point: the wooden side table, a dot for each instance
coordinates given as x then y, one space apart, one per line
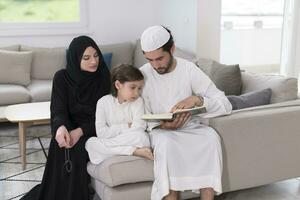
25 115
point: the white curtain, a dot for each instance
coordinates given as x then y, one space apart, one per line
290 35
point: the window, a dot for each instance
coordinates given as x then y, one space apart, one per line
251 34
31 16
252 14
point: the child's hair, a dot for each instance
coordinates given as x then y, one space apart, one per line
124 73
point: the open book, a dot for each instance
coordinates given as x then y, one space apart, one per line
171 116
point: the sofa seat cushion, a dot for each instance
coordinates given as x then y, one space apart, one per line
15 67
40 90
120 170
13 94
46 61
2 114
283 88
11 48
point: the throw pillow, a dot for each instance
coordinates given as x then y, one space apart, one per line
15 67
256 98
226 77
107 59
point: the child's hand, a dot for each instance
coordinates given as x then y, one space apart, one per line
129 124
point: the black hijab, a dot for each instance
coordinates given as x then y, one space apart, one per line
87 87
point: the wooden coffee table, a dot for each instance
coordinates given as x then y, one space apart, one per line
27 114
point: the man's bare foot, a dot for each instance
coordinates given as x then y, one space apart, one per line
144 153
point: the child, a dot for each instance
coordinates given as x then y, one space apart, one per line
119 127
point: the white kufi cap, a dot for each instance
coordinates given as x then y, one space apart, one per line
154 38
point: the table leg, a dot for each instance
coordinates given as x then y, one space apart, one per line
22 140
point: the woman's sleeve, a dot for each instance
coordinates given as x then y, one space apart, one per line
102 128
59 104
88 128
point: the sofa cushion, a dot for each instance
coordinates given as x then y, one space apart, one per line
122 52
121 170
107 59
46 61
226 77
11 48
283 88
251 99
13 94
15 67
40 90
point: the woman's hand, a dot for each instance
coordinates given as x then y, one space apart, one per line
75 136
62 137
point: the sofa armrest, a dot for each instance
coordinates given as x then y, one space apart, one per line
260 146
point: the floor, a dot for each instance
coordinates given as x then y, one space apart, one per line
14 182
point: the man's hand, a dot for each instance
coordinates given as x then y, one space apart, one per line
189 102
178 122
75 136
62 137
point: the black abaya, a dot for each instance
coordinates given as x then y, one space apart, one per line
73 104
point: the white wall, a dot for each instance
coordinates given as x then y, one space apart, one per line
109 22
209 19
297 54
181 18
116 21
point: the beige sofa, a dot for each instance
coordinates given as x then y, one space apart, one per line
27 72
260 144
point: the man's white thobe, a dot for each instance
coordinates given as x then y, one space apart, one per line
188 158
114 137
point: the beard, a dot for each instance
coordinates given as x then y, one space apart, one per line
164 70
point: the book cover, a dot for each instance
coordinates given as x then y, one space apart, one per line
171 116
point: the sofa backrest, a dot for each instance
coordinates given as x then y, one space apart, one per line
122 53
283 88
46 61
139 59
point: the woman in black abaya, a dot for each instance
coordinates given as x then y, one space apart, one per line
75 93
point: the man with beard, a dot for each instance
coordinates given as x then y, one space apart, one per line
187 153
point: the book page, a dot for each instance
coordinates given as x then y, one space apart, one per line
193 111
171 116
163 116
